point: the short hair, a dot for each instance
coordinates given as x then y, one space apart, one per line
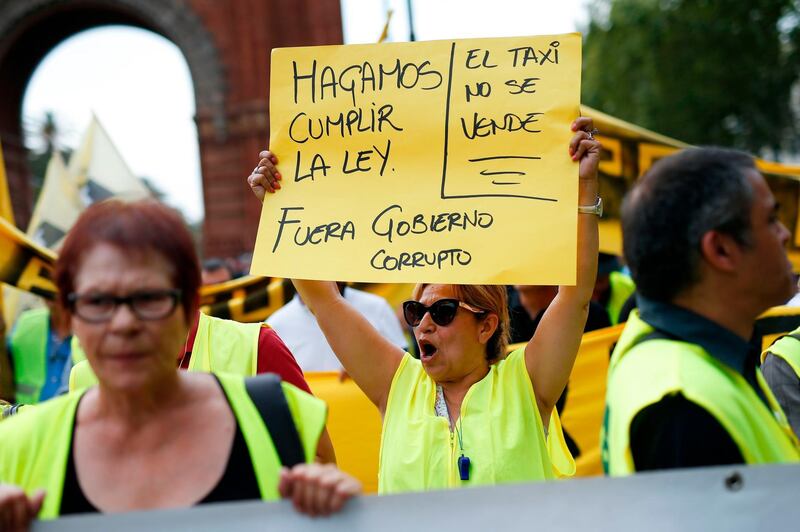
132 227
675 203
488 297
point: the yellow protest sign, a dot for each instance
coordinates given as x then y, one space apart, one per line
442 161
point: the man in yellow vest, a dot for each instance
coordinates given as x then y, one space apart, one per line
781 367
39 352
706 249
612 287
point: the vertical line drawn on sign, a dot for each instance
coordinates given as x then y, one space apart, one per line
447 117
485 172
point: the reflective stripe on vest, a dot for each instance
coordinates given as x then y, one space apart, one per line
501 432
787 348
641 374
225 346
36 445
29 353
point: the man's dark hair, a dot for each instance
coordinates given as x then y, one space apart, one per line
214 263
681 198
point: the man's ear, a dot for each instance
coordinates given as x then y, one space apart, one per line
487 327
720 251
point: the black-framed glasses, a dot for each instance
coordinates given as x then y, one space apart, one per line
146 305
443 312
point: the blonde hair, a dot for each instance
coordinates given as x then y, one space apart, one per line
489 297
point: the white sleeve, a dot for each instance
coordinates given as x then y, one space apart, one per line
389 326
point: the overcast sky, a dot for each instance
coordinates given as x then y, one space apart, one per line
139 86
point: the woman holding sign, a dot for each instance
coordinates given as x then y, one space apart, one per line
465 413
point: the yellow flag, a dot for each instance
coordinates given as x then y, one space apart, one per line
385 32
58 206
100 172
6 211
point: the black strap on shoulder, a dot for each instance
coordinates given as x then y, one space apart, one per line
266 392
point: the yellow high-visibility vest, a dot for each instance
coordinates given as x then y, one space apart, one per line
36 445
220 346
641 374
787 348
500 429
29 354
621 287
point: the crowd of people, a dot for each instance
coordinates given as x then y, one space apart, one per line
705 250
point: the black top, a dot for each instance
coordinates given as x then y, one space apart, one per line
676 432
523 326
238 482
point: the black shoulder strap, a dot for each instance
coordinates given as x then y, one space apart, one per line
267 394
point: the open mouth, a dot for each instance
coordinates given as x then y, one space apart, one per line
426 350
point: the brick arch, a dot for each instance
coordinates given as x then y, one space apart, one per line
226 45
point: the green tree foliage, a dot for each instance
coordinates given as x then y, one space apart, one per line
703 71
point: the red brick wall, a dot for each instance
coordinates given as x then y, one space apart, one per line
244 32
227 45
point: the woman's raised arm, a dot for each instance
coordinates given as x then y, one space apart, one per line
369 358
550 354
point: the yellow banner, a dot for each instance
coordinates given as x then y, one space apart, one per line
6 211
354 425
24 264
443 161
248 299
583 413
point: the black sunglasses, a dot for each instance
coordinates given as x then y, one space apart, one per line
443 312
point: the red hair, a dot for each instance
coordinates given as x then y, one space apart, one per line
132 227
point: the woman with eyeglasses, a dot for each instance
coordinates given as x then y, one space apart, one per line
149 436
466 414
